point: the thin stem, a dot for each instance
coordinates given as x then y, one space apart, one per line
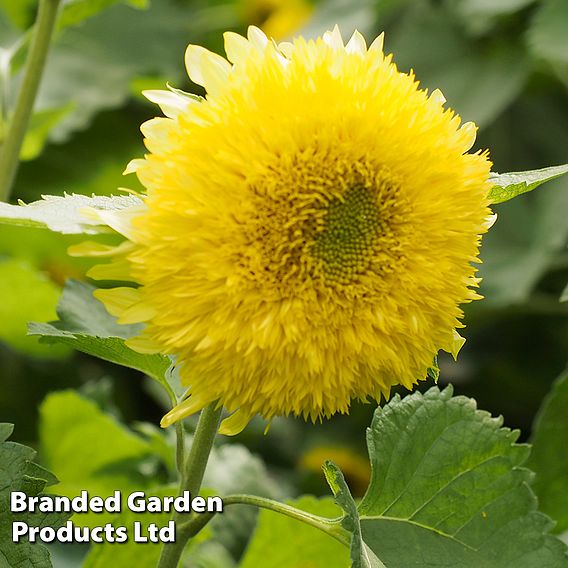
9 159
191 478
329 527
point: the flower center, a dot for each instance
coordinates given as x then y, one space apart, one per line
350 229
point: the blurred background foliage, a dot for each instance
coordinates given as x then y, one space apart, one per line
501 64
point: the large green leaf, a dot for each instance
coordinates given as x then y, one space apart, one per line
85 325
507 186
18 472
279 541
447 489
89 450
27 294
65 214
549 458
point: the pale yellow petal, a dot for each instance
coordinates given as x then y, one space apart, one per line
171 103
237 47
94 249
206 68
356 44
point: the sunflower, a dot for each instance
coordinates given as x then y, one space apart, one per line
308 232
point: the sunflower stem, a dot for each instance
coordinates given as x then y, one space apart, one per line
35 64
331 527
191 478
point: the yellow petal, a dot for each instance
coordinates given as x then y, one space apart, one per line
138 313
171 103
333 38
356 44
144 344
133 165
93 249
116 300
235 423
206 68
236 46
189 406
115 270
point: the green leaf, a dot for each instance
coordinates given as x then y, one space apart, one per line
65 214
134 553
507 186
279 541
89 450
447 489
41 124
85 325
18 472
549 458
27 295
547 36
360 554
75 12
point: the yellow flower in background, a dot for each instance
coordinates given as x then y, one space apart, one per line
308 231
279 19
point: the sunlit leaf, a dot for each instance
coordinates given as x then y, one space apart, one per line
509 185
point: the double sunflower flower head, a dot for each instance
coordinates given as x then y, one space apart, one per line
308 231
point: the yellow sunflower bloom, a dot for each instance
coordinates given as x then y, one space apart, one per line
308 231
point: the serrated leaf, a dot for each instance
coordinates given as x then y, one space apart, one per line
548 457
18 472
27 295
89 450
85 325
360 554
547 35
447 489
279 541
65 214
507 186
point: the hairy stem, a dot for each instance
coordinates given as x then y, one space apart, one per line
191 478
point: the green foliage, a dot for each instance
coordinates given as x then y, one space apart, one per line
132 553
500 69
41 124
65 214
89 450
18 472
280 541
548 457
85 325
449 494
75 12
360 554
507 186
27 295
547 35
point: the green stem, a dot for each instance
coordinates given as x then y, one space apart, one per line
328 526
9 159
191 478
